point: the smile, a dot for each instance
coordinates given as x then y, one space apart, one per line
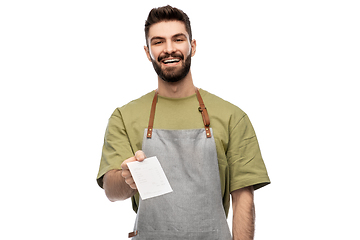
169 61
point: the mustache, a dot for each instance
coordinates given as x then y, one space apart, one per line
167 55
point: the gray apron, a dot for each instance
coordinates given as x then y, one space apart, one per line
194 209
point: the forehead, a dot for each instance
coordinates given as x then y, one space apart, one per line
167 29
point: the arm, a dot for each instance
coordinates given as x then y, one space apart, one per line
119 184
243 213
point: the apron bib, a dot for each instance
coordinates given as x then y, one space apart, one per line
194 209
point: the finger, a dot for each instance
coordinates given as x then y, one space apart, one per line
129 180
124 164
126 173
133 186
140 156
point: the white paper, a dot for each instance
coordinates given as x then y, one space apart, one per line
149 178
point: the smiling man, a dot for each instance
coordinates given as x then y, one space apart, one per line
206 146
170 65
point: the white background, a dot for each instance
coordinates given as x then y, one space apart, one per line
292 66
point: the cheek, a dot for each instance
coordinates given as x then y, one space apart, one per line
186 49
151 54
154 52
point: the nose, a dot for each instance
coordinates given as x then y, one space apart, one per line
169 48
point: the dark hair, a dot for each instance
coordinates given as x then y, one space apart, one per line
167 13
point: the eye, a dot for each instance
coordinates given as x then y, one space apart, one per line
157 42
179 40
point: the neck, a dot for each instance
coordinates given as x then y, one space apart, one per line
180 89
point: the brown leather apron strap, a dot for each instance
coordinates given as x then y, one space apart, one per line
133 234
202 109
204 113
152 115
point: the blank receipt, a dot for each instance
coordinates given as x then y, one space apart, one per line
149 178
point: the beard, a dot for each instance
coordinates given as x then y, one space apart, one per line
172 74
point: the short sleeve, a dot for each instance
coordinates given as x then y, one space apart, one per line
246 165
116 148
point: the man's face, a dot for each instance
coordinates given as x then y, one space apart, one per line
170 50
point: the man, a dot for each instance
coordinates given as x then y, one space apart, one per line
206 146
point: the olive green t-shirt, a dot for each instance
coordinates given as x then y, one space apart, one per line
240 161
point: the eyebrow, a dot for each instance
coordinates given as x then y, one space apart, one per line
161 38
179 35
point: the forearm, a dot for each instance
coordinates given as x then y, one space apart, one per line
243 215
116 189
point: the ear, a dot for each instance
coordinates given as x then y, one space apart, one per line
193 47
147 53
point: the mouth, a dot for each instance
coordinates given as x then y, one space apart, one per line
171 61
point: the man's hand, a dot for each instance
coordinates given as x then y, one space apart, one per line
119 184
139 156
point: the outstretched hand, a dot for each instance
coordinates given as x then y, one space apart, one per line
139 156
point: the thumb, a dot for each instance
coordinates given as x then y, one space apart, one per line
140 156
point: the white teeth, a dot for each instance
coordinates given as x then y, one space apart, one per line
171 60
